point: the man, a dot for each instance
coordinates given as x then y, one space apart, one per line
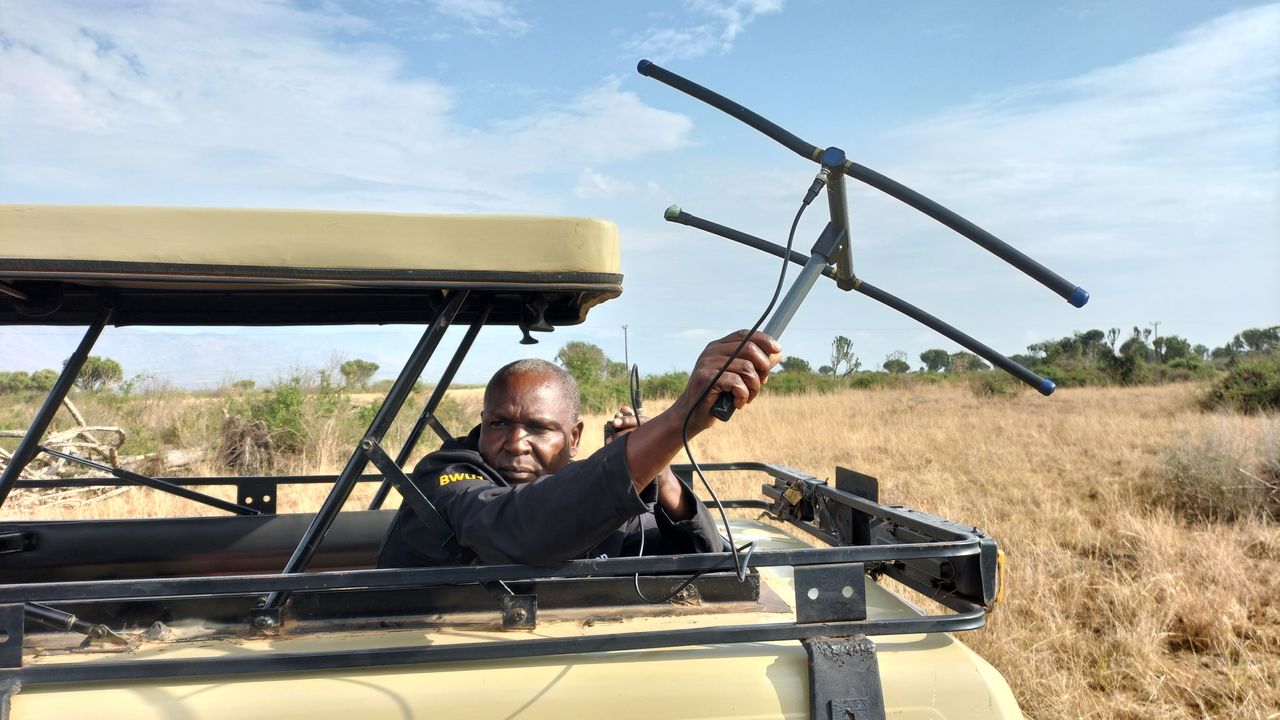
509 493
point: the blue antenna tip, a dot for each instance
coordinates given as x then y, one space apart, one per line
1079 297
1046 387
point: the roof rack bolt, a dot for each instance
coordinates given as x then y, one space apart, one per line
533 317
538 308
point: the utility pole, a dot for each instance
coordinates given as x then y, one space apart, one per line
626 351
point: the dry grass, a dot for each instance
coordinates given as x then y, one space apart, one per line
1117 605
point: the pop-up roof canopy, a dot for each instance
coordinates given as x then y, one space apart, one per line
205 266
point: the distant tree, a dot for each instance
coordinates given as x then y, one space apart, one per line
585 362
99 374
1136 346
1224 354
614 369
842 355
1112 336
966 362
895 363
794 364
16 381
666 385
1024 360
1092 344
43 380
1258 340
1171 347
935 360
357 373
826 370
1201 352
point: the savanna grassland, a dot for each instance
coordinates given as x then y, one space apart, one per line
1140 584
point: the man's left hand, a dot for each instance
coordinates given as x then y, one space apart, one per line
623 422
670 493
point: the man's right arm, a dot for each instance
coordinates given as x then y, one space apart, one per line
554 518
652 446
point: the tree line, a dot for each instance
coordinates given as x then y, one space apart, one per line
102 373
1091 357
1083 358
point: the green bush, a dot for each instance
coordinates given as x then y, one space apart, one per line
872 379
928 378
788 383
1128 369
1251 386
291 407
15 382
1072 375
667 385
363 416
450 414
600 395
997 385
280 408
1186 369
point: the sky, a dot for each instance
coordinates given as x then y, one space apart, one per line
1133 147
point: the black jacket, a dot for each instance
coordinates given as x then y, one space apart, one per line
588 509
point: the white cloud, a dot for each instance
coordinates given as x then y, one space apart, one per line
486 17
266 104
716 25
1164 155
696 334
592 184
603 125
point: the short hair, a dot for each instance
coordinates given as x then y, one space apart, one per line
544 368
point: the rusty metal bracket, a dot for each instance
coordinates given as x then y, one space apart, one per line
519 612
8 688
266 621
12 617
844 679
258 493
830 593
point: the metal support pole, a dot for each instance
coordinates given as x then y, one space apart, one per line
28 446
429 410
156 483
377 429
827 244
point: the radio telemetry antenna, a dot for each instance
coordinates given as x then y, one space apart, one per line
832 254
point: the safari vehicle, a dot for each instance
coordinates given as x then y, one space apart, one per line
279 615
263 614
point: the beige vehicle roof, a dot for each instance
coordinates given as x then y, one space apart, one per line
290 260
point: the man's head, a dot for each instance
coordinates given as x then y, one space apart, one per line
529 426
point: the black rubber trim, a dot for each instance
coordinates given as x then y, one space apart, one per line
135 272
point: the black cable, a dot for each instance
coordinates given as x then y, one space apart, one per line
749 547
738 566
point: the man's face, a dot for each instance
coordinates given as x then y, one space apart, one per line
526 429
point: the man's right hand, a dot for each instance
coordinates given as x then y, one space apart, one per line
743 378
651 446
